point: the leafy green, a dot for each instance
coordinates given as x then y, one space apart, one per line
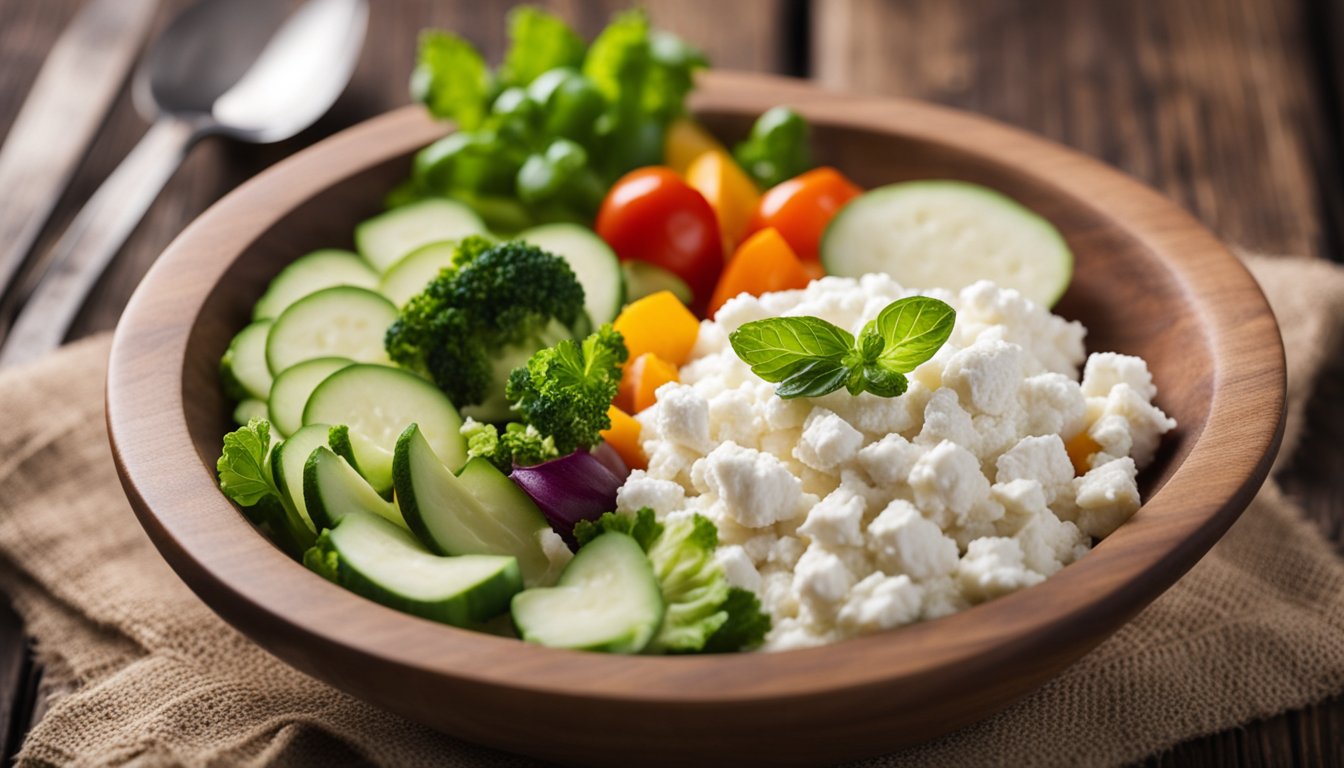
451 79
645 77
496 299
244 467
245 476
544 137
809 357
566 390
746 627
703 612
539 42
777 148
519 444
642 526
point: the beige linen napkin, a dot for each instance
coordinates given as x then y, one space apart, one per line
153 677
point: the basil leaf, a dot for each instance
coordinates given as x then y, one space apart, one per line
883 382
779 347
820 377
914 329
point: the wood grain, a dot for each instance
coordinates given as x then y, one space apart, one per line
1149 281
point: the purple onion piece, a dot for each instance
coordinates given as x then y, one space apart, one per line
569 489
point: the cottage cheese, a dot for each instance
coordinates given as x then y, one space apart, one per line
849 515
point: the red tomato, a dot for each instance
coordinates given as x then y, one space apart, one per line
801 207
653 215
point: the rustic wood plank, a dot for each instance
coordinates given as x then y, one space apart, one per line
1213 103
1228 106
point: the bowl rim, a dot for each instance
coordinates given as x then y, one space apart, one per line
218 553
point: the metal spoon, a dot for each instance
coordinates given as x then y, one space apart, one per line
221 67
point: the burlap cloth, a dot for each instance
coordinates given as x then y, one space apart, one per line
153 677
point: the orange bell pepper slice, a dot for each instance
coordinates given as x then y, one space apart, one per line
764 263
623 437
730 192
661 324
640 381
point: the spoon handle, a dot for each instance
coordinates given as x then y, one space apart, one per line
82 254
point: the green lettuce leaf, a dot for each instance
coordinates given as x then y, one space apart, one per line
451 79
539 42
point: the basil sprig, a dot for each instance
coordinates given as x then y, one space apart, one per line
809 357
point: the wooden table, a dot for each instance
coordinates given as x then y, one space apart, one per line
1231 107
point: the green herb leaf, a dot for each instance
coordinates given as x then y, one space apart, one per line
451 79
914 329
539 42
244 466
820 377
809 357
777 348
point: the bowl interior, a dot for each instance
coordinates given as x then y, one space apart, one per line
1128 298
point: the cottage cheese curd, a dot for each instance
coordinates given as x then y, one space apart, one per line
849 515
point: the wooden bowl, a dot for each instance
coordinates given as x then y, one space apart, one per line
1150 281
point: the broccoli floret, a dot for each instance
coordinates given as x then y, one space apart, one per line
565 390
491 300
519 444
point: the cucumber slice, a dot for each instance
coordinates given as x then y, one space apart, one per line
310 274
249 409
644 279
593 262
384 239
379 402
375 559
287 463
371 462
607 600
291 389
413 272
332 490
244 367
334 322
948 234
480 512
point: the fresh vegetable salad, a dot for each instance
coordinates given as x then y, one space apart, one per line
598 381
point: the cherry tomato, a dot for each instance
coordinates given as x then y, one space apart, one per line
801 207
653 215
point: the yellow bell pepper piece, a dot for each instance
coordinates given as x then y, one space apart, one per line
684 141
730 192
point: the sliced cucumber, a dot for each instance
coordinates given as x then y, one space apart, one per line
413 272
334 322
243 366
644 279
371 462
310 274
384 239
948 234
287 462
249 409
380 402
607 600
291 389
479 513
593 262
332 489
378 560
